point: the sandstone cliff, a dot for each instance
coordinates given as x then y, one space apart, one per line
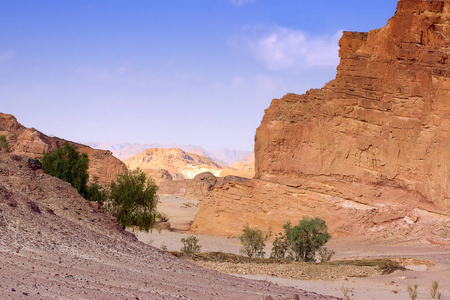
30 142
374 141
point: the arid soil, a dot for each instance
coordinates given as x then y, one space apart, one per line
56 245
424 263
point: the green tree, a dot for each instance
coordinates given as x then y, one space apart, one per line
68 164
253 242
134 200
94 192
306 238
302 241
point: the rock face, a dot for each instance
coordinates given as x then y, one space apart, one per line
384 120
103 167
382 127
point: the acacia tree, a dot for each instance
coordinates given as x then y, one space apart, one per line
307 237
68 164
134 200
253 242
302 241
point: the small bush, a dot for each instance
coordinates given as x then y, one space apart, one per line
253 242
434 293
190 245
325 254
412 291
4 146
279 247
95 192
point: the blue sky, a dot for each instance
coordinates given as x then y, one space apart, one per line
197 72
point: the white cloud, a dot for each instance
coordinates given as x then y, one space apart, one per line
284 49
242 2
5 56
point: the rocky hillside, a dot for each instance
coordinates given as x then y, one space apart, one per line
30 142
369 149
54 244
180 164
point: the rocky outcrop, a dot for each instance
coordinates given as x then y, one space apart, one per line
103 167
377 136
200 186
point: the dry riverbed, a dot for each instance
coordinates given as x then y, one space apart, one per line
424 263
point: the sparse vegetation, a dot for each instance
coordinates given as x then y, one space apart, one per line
434 290
412 291
133 199
345 291
190 245
302 241
4 146
253 242
68 164
325 254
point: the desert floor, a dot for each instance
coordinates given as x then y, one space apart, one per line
424 263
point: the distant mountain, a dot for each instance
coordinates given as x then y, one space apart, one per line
180 164
223 157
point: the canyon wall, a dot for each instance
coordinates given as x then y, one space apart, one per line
103 166
374 141
384 120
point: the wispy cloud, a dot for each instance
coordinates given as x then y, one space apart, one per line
242 2
8 55
285 49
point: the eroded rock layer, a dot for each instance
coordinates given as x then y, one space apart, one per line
381 127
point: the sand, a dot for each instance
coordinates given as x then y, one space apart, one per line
425 263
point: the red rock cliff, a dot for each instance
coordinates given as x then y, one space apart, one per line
384 120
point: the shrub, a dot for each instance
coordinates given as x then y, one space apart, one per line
133 198
325 254
302 241
253 242
280 247
68 164
412 291
434 290
190 245
4 146
94 192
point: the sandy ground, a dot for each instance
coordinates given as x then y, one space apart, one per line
425 264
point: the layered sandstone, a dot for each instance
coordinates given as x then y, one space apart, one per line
377 136
103 167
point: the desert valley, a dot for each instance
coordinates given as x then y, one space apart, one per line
369 153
